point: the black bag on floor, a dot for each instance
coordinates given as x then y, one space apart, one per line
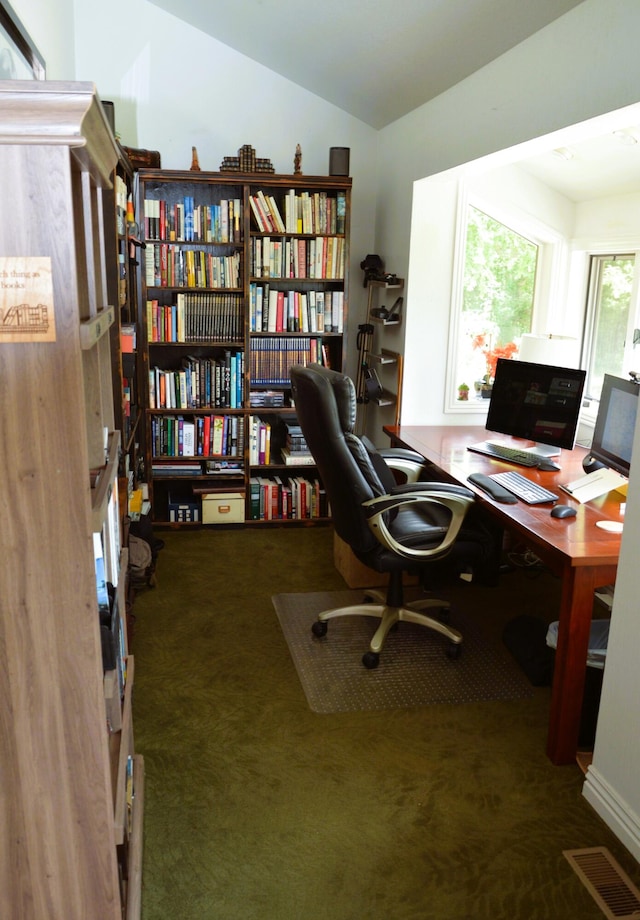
526 638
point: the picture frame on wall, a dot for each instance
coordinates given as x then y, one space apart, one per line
19 57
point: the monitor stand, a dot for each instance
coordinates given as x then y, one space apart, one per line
543 450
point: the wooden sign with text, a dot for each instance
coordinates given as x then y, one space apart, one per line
26 300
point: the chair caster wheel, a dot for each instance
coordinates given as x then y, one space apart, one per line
454 650
371 660
319 629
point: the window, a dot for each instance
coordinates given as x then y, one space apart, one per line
610 319
498 294
19 57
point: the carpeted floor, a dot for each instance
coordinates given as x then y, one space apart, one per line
414 669
257 808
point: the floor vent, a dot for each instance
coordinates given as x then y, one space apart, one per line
609 886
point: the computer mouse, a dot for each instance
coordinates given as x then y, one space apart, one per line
563 511
548 466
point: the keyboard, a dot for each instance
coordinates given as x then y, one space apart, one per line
523 488
503 452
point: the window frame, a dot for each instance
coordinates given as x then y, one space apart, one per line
549 282
579 277
15 40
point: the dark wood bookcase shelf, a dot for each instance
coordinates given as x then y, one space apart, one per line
280 297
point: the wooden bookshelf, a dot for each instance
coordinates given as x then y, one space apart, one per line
121 232
247 272
64 853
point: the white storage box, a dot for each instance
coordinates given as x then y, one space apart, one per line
223 508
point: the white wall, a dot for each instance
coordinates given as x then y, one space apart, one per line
612 779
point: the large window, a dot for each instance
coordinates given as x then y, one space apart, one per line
609 331
498 295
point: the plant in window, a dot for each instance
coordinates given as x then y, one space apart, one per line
491 353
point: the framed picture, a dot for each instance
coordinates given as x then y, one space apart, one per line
19 57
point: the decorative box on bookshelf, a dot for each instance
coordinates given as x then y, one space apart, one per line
244 275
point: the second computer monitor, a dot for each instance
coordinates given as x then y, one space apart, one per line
615 425
538 402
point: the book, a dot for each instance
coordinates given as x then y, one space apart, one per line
188 439
296 458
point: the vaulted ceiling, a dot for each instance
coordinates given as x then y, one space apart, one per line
375 59
380 59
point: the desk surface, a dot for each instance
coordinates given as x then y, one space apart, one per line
584 556
576 540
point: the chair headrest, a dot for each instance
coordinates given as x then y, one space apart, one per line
343 390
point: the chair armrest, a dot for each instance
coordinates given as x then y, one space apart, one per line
449 487
408 462
421 493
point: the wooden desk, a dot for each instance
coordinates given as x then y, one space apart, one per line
584 556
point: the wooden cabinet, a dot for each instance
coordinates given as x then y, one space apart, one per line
244 275
71 787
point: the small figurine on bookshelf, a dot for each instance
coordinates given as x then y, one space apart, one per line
297 161
195 163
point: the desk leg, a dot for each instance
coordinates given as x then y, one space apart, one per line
576 605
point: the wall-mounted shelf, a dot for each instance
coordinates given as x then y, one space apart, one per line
375 357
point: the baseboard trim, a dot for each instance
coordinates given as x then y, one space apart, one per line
613 810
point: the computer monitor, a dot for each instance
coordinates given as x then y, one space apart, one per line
615 424
538 402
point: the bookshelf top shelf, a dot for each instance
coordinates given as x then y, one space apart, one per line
257 180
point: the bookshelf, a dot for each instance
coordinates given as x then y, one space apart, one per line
243 275
71 799
122 230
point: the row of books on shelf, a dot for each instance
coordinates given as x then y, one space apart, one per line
168 265
259 441
318 257
112 637
271 359
196 469
211 317
267 399
274 310
184 221
286 498
293 450
200 383
202 436
306 212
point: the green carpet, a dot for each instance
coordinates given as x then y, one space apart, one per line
259 809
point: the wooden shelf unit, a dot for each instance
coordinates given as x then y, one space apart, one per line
378 358
61 855
122 289
257 352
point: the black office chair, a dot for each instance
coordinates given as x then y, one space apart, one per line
390 527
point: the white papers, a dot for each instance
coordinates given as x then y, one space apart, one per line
592 485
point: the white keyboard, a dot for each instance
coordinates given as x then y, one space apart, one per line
524 489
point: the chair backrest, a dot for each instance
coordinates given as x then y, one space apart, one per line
325 403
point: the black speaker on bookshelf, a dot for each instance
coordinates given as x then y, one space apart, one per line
339 161
110 112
